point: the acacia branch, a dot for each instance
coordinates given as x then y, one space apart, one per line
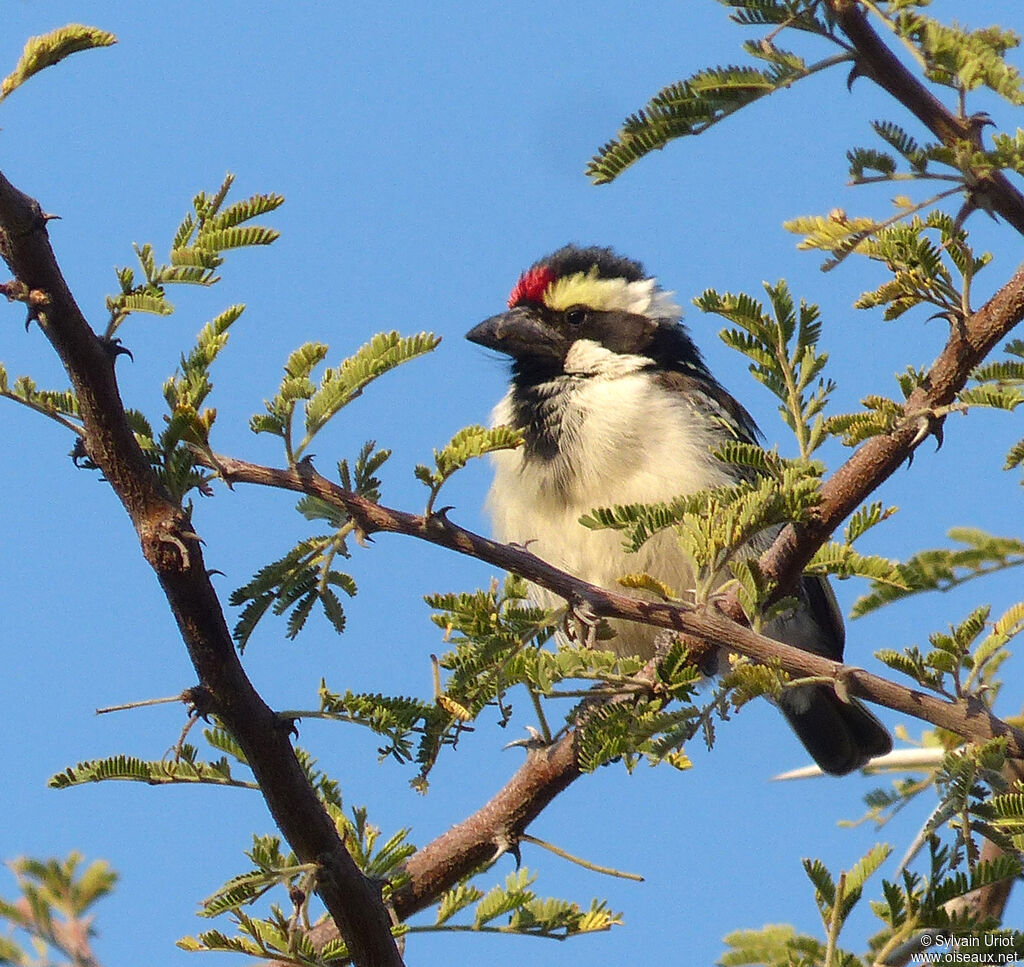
705 624
498 825
173 550
991 190
460 851
877 459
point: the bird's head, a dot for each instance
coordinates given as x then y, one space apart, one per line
588 311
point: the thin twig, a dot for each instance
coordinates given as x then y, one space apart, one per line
586 864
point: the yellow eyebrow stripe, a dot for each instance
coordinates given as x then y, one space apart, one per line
588 289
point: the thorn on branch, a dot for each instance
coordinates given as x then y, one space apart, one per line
168 533
928 424
35 299
978 121
534 740
442 514
80 452
200 701
113 348
581 623
288 724
211 460
179 746
954 318
363 539
841 684
505 843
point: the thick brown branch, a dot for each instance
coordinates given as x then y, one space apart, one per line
491 830
497 825
973 722
443 862
175 554
878 458
875 60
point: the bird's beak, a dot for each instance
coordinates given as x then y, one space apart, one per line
519 332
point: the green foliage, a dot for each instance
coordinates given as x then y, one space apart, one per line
295 583
774 944
924 272
1001 386
276 937
1007 152
468 443
493 635
840 559
747 680
172 453
497 636
509 908
184 767
398 719
58 405
962 663
962 163
54 910
962 59
337 387
273 868
844 561
805 15
783 351
945 568
632 731
837 898
196 252
912 906
306 576
691 106
918 903
719 527
917 156
881 415
48 49
526 913
920 273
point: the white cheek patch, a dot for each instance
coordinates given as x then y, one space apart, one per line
588 358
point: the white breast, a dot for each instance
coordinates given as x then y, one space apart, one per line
624 440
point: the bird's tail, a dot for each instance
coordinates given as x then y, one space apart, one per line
840 736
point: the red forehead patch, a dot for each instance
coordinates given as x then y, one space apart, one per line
531 286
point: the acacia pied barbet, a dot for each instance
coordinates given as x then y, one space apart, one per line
616 406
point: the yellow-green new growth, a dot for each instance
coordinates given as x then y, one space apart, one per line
47 49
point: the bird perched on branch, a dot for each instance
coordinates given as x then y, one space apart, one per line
616 406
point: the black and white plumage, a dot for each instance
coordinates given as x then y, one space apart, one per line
617 407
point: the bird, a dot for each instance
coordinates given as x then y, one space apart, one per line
616 405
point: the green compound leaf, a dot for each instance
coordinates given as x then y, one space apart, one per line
47 49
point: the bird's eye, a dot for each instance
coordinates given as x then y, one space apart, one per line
576 316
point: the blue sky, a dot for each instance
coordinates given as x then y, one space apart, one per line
427 153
